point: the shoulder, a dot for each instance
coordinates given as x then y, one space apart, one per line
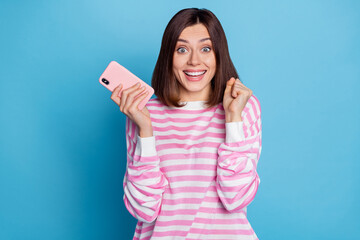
154 103
153 100
155 106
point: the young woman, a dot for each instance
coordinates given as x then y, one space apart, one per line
192 152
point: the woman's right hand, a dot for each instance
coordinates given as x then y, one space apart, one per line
129 107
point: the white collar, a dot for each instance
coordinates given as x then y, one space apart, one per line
192 105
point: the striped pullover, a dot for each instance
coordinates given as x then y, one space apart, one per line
195 177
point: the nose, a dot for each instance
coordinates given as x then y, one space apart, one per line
194 58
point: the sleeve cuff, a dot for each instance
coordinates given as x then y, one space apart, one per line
234 132
145 147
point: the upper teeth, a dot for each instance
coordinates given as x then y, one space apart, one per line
194 73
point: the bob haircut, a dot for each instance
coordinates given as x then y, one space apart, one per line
163 79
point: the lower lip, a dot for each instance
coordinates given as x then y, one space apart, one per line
195 78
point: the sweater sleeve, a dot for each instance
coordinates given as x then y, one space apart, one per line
237 179
143 183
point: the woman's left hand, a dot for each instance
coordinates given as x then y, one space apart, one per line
235 98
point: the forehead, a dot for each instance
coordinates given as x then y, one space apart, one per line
197 31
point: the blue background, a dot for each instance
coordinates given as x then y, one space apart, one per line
62 140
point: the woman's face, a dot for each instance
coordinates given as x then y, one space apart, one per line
194 63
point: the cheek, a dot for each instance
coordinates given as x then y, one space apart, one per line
178 62
176 70
211 62
176 67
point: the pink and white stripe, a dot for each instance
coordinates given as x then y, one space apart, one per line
196 176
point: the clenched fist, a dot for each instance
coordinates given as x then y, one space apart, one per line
235 98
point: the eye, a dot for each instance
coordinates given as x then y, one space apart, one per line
206 49
181 50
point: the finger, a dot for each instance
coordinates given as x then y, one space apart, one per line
115 94
229 85
231 81
140 98
132 88
235 91
244 91
238 82
122 101
131 97
125 95
136 94
238 89
120 85
136 85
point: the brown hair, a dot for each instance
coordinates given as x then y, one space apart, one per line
163 80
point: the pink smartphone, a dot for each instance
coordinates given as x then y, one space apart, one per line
115 74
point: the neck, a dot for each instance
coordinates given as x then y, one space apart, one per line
194 97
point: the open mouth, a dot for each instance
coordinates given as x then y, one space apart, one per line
195 74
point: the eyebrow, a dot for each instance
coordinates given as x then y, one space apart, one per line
201 40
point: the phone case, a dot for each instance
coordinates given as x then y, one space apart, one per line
115 74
